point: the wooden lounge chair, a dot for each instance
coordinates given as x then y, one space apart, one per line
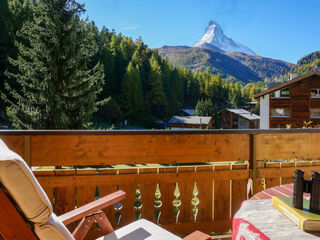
26 212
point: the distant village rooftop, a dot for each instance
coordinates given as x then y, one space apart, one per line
189 112
286 84
197 120
244 113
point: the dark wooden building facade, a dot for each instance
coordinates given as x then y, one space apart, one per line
294 104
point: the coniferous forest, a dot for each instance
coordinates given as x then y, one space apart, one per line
60 71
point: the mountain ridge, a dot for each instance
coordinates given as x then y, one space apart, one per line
221 54
232 65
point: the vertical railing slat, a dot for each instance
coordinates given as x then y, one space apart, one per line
186 189
148 196
106 189
286 180
222 196
205 196
128 211
239 190
85 193
64 197
167 190
48 190
275 180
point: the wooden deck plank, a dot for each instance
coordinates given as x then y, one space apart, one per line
122 149
64 181
293 146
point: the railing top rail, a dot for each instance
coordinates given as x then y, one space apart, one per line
156 132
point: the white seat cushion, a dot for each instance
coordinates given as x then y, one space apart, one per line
19 181
140 230
52 230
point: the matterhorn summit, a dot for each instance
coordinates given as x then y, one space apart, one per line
214 38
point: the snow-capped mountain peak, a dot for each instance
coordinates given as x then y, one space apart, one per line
214 37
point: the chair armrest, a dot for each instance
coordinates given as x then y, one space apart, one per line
197 235
92 207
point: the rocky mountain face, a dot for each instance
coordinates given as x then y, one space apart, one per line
220 54
214 38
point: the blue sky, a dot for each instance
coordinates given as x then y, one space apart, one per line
280 29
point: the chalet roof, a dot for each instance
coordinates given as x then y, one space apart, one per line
286 84
244 113
190 119
189 111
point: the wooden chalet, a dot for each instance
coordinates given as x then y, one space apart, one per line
292 103
235 118
250 106
190 122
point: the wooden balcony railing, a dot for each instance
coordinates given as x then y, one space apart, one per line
179 179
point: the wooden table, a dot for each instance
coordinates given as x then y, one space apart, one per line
257 219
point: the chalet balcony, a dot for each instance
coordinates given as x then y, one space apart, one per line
182 180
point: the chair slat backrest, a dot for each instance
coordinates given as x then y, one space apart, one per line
12 224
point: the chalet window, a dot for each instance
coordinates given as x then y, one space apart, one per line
280 112
242 123
315 93
285 92
235 120
315 112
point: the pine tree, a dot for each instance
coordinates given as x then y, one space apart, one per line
118 47
235 97
21 11
204 108
109 69
166 69
131 93
5 43
176 90
58 90
13 14
191 88
155 98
